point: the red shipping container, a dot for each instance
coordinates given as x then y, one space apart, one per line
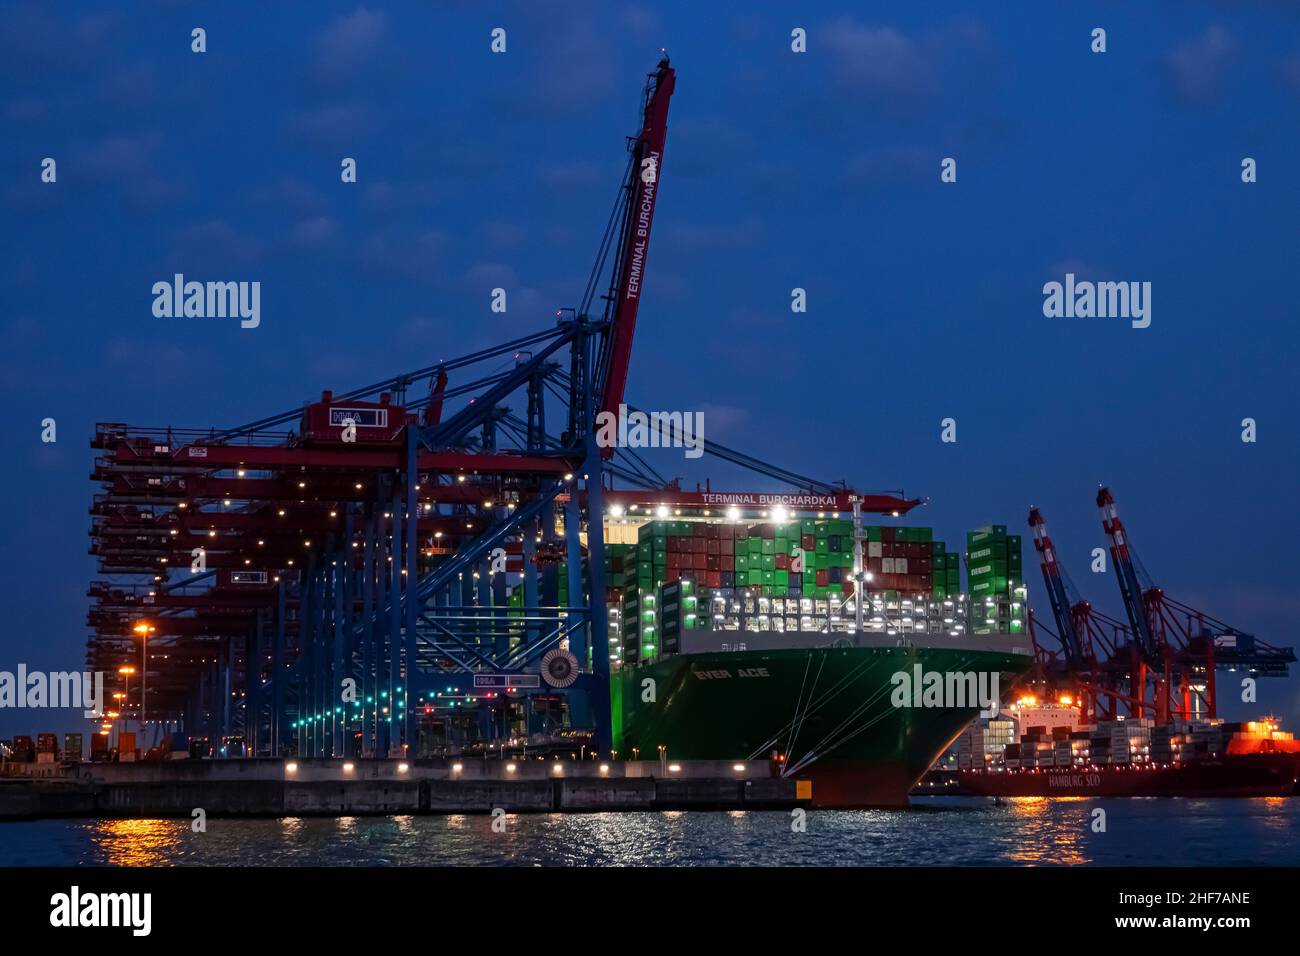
712 546
824 578
726 532
726 562
674 561
887 534
699 530
699 545
742 532
712 579
809 542
711 562
711 531
783 562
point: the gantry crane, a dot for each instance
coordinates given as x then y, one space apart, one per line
358 544
1162 662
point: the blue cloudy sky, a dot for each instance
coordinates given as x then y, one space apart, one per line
818 170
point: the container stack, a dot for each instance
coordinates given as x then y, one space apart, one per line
996 581
679 610
1121 742
983 744
639 619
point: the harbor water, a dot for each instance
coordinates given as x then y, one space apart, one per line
936 831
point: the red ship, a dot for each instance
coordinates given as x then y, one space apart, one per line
1230 775
1126 708
1047 749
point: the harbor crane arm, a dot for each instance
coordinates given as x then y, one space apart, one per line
1056 591
1130 588
634 245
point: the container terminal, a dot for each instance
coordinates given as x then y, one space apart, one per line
446 580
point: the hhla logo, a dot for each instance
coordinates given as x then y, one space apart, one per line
947 690
636 429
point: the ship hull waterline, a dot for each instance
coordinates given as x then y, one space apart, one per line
826 715
1233 775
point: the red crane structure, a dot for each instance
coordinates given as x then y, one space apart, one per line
1161 663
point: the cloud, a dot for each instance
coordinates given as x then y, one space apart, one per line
404 253
490 275
878 61
727 235
1082 271
347 44
206 249
339 125
1289 73
894 164
314 232
722 420
384 196
504 234
123 162
166 364
1196 70
293 194
574 177
898 72
642 21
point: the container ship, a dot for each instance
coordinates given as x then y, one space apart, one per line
1039 749
738 642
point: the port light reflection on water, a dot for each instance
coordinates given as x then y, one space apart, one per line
937 831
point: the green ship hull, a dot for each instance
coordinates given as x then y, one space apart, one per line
829 715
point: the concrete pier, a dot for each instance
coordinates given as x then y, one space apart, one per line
335 787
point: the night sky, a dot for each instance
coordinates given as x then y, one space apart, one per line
782 170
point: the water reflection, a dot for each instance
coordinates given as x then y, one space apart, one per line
1051 831
939 831
137 842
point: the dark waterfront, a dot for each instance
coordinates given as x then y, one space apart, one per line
938 831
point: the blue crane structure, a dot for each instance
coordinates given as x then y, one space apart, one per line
339 588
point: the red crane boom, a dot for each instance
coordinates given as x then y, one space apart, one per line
647 167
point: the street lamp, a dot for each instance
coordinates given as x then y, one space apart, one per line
126 671
144 629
